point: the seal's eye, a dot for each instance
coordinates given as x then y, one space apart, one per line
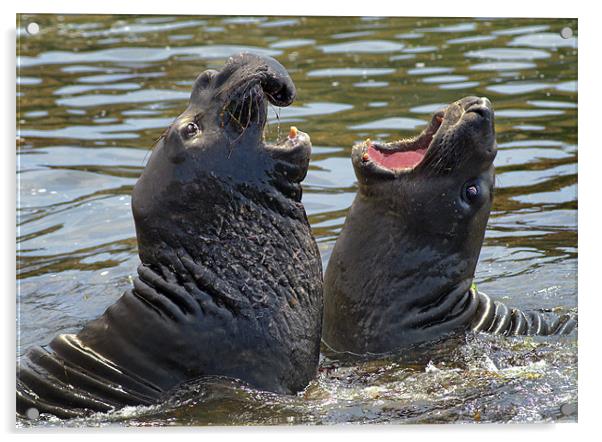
471 192
191 130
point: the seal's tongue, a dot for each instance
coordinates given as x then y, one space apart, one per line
397 160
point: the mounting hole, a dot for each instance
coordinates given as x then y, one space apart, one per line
33 28
32 413
568 409
566 32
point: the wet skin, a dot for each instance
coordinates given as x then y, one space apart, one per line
401 271
230 280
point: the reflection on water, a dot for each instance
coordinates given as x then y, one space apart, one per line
95 91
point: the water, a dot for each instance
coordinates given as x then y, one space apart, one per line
94 92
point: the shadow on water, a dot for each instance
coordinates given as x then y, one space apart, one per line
95 91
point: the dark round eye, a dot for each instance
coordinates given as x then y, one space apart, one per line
191 130
471 192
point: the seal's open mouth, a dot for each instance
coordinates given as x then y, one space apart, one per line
246 113
249 107
403 155
458 134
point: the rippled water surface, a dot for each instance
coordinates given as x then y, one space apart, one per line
94 92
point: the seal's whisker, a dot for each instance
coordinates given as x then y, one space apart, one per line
277 113
163 135
253 99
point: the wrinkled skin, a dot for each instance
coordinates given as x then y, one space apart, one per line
230 280
401 271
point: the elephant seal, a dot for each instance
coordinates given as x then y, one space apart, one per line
401 271
230 280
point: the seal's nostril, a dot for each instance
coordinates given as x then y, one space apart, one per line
478 109
474 102
280 93
479 105
485 101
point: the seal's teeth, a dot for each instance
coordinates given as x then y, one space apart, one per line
368 142
365 157
293 133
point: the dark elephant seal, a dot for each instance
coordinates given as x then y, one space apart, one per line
230 280
401 271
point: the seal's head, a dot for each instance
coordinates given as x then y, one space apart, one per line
216 147
404 262
441 181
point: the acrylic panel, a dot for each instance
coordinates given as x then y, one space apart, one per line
95 93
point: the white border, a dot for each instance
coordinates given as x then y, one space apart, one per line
590 146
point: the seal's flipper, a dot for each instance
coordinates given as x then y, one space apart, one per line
564 325
496 318
67 380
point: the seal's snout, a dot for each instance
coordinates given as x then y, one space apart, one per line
275 80
485 101
239 93
279 87
476 126
246 69
481 106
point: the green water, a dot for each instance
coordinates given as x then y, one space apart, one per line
94 92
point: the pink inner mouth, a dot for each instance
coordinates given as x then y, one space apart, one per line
397 160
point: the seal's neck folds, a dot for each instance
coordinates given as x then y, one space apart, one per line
393 288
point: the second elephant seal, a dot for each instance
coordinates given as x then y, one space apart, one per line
402 269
